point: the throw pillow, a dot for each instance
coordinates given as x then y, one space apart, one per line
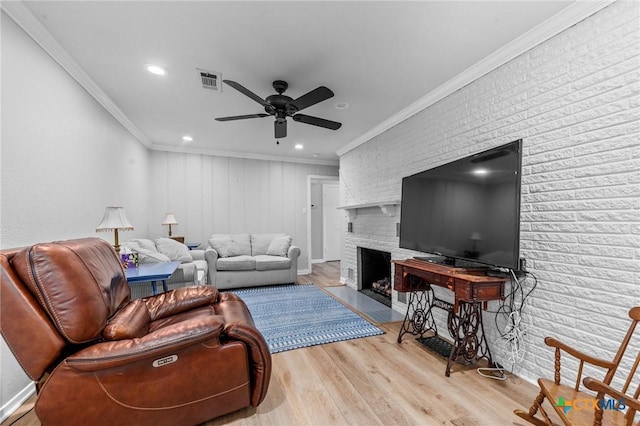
173 249
141 243
145 256
225 246
279 246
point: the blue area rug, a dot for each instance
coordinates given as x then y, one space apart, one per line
297 316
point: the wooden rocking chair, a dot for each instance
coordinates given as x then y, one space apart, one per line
605 405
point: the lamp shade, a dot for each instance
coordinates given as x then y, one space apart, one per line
114 218
169 219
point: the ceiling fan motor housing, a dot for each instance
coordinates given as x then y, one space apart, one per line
280 103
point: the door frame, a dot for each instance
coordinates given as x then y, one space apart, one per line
326 211
321 180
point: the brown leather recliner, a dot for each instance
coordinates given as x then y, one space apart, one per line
178 358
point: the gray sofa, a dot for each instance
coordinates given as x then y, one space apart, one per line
248 260
192 269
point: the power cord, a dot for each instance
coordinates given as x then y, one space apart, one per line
513 333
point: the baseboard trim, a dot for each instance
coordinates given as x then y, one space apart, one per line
14 403
317 260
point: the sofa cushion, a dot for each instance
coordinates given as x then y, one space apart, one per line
279 246
242 240
260 243
236 263
265 262
173 249
225 246
147 251
145 256
142 243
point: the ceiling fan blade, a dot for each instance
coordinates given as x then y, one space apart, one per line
321 122
241 117
311 98
280 127
240 88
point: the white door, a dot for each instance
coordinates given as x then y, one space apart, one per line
333 221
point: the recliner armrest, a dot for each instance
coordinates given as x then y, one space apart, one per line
129 322
158 343
180 300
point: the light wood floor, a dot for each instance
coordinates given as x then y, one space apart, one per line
371 381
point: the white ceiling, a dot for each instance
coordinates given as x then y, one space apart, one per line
380 57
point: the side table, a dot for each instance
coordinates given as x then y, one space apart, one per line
152 272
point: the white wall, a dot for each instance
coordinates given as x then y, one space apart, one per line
63 160
574 101
211 194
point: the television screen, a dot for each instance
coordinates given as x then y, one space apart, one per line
467 209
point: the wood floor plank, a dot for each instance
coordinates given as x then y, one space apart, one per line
353 405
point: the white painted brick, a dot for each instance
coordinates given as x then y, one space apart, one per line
574 100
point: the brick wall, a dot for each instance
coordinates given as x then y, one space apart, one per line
574 100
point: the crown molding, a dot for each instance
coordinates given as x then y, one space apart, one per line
559 22
250 156
17 11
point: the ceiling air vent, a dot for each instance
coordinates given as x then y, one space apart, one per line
210 80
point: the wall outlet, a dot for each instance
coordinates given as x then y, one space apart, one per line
523 264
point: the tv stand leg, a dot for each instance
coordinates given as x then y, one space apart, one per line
419 317
469 339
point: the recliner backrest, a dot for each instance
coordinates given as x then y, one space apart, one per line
79 283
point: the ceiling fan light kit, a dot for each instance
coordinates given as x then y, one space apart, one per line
282 106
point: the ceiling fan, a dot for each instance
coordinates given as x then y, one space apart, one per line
282 106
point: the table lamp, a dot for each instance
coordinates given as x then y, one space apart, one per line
169 219
114 220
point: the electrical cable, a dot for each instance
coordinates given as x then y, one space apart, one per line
512 336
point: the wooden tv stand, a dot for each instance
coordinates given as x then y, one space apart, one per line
472 290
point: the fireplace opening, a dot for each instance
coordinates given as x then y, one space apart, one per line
375 274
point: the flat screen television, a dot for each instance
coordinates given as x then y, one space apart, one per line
468 209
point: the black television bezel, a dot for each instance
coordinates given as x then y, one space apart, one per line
451 260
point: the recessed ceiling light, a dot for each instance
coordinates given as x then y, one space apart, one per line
156 69
341 105
298 146
187 138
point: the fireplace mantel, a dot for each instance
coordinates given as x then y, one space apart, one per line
388 208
